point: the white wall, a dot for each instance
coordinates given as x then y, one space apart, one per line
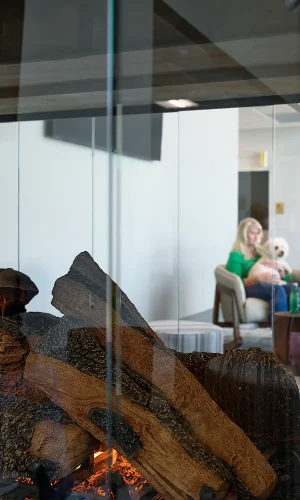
9 194
196 178
285 179
208 201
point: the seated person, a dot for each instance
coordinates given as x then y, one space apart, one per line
241 259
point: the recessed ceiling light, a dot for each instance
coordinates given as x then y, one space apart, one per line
177 103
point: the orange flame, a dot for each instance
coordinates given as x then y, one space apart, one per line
108 456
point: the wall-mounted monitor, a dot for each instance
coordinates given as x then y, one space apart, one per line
141 134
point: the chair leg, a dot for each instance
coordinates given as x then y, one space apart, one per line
236 322
237 339
216 306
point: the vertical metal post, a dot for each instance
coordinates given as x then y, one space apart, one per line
93 185
109 287
19 194
117 234
272 203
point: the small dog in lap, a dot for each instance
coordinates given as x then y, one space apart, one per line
276 250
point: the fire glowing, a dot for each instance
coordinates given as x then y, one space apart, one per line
110 456
97 483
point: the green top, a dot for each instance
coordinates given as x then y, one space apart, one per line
237 264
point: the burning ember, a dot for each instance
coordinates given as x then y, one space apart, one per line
107 474
123 482
122 472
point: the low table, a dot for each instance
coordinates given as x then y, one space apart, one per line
285 322
189 336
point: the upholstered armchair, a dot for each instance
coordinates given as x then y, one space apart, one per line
236 308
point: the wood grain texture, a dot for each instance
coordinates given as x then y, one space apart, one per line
18 334
32 86
28 434
201 92
253 388
13 384
18 417
68 445
145 354
13 352
162 460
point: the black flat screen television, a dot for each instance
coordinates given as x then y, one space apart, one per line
141 134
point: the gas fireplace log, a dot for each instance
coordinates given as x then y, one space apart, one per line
28 326
151 434
14 384
67 445
18 334
16 291
13 352
34 433
238 380
163 450
196 362
82 294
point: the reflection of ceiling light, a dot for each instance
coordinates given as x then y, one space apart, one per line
177 103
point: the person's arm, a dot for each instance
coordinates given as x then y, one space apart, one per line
285 276
235 266
251 281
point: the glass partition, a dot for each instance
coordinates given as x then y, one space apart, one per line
145 196
9 194
257 172
285 210
149 343
55 201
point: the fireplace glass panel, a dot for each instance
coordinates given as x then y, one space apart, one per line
135 137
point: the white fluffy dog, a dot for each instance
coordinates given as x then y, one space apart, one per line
276 250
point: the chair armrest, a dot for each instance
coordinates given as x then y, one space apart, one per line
229 283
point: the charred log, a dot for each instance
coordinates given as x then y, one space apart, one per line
254 389
76 380
163 394
34 433
18 334
16 291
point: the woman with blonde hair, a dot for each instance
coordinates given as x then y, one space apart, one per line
244 255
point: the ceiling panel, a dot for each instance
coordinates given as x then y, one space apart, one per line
56 59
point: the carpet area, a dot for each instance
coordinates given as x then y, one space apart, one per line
255 337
